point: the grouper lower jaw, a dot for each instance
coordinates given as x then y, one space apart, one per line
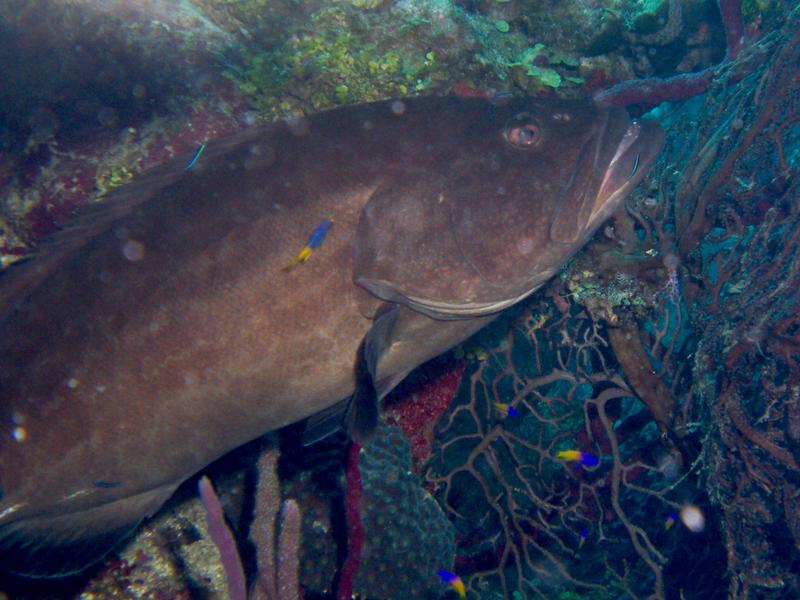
468 310
161 329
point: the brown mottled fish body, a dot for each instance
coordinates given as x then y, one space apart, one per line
160 330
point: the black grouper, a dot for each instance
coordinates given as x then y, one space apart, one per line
160 329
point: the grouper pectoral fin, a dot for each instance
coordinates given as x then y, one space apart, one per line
397 334
359 413
62 544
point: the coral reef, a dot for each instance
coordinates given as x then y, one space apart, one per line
407 537
332 66
678 370
354 507
173 556
223 539
276 535
344 54
652 91
738 221
420 401
54 179
369 527
527 522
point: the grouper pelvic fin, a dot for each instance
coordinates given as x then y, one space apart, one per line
64 544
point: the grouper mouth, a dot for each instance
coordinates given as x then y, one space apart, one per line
604 173
635 154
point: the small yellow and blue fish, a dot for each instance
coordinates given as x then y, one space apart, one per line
506 408
454 581
582 537
314 241
670 520
196 157
584 458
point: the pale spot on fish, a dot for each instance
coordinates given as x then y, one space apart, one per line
20 434
525 246
298 125
72 383
261 156
133 250
398 107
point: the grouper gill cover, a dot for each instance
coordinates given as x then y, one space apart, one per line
161 329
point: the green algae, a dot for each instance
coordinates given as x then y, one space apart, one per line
534 68
335 61
112 176
752 9
366 4
365 51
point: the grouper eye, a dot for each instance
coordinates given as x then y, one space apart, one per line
524 135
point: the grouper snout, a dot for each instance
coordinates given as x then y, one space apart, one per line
161 328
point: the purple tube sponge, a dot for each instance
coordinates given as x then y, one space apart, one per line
223 538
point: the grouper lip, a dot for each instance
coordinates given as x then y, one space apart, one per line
445 311
439 309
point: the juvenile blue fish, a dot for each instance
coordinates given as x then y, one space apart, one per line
584 458
454 581
196 157
314 241
506 408
582 537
